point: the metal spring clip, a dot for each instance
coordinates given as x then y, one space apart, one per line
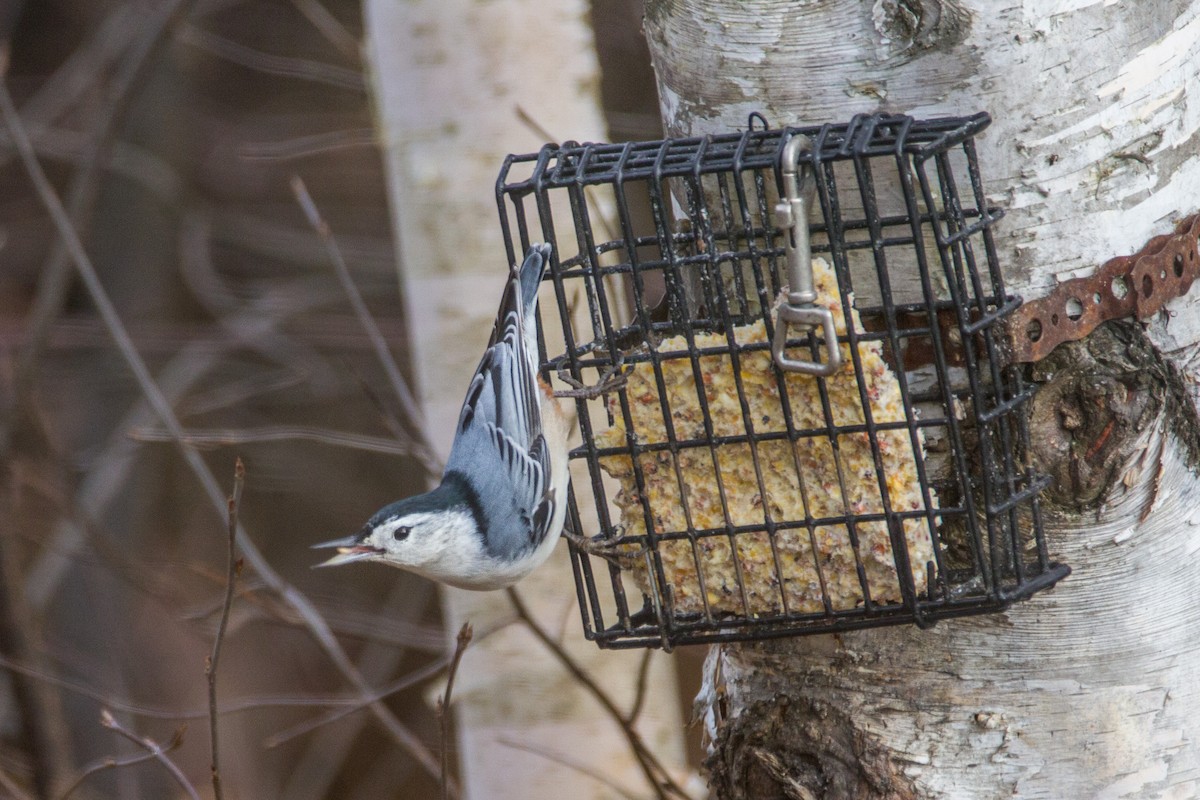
791 215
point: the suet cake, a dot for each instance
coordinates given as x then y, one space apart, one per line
774 480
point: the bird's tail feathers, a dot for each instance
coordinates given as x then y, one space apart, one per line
537 257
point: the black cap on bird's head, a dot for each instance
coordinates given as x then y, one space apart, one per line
384 537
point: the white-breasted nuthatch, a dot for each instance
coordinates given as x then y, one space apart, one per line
499 509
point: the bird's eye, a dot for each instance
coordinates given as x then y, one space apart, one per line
401 533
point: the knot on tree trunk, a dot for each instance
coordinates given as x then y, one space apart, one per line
801 748
1098 397
908 27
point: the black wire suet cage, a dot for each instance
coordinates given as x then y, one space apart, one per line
819 429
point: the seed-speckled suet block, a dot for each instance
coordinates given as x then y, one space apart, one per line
790 482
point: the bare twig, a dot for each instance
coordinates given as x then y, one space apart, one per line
140 165
443 703
113 466
271 64
345 704
382 353
391 422
411 679
81 72
46 735
316 625
13 789
314 770
222 437
528 121
54 276
639 696
329 27
392 632
235 501
571 764
112 762
152 747
656 775
37 734
309 145
240 391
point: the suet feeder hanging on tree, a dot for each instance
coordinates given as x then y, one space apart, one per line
820 430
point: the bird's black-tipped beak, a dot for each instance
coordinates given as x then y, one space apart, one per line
350 549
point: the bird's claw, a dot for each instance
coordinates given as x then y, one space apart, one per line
613 379
608 547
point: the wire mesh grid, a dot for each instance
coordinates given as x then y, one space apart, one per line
741 502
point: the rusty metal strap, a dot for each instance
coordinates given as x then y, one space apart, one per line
1137 285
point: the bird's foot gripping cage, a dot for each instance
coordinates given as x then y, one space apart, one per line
740 496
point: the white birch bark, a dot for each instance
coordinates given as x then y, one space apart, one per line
448 78
1091 690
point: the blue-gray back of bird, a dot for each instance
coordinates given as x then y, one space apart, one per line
501 503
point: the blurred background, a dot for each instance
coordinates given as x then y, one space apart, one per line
171 130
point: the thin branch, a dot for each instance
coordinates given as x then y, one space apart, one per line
366 627
13 789
656 775
223 437
413 678
239 392
347 704
45 733
42 738
81 72
309 145
271 64
125 159
391 422
314 769
329 27
382 353
443 703
112 762
569 763
358 704
130 77
235 501
152 747
114 464
639 696
288 593
529 122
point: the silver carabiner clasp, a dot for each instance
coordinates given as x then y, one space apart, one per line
791 215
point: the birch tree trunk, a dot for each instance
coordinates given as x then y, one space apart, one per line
1091 690
450 78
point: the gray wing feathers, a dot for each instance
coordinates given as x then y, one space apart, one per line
499 442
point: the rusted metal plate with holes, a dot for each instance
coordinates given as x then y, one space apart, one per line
1137 285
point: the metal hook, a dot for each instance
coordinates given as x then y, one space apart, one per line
757 116
791 214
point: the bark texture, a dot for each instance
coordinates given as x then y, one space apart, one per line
1093 138
1091 689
